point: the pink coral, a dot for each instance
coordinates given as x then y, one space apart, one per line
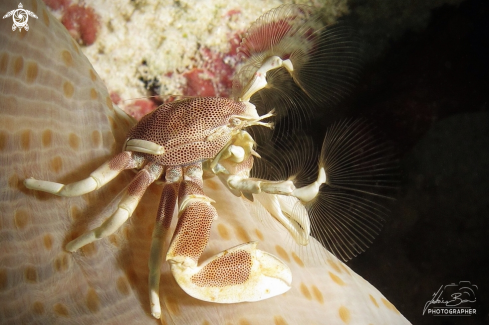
82 22
215 77
140 108
198 84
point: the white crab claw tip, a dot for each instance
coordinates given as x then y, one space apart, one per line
156 315
274 268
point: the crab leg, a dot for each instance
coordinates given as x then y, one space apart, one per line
163 222
126 207
98 178
242 273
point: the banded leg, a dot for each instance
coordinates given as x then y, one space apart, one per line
162 225
98 178
242 273
126 207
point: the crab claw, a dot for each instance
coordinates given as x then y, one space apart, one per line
242 273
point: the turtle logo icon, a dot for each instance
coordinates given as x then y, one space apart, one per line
20 16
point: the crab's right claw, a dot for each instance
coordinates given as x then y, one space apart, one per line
239 274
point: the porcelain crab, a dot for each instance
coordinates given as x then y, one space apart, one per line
183 141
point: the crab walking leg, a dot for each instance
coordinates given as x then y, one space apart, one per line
98 178
163 222
242 273
126 207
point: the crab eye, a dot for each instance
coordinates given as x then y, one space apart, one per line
233 121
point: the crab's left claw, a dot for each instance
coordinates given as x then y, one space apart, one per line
239 274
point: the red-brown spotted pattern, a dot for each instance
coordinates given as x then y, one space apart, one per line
167 205
125 160
231 269
183 128
193 229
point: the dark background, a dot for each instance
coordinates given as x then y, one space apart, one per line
429 93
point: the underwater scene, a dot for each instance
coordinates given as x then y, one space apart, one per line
244 162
